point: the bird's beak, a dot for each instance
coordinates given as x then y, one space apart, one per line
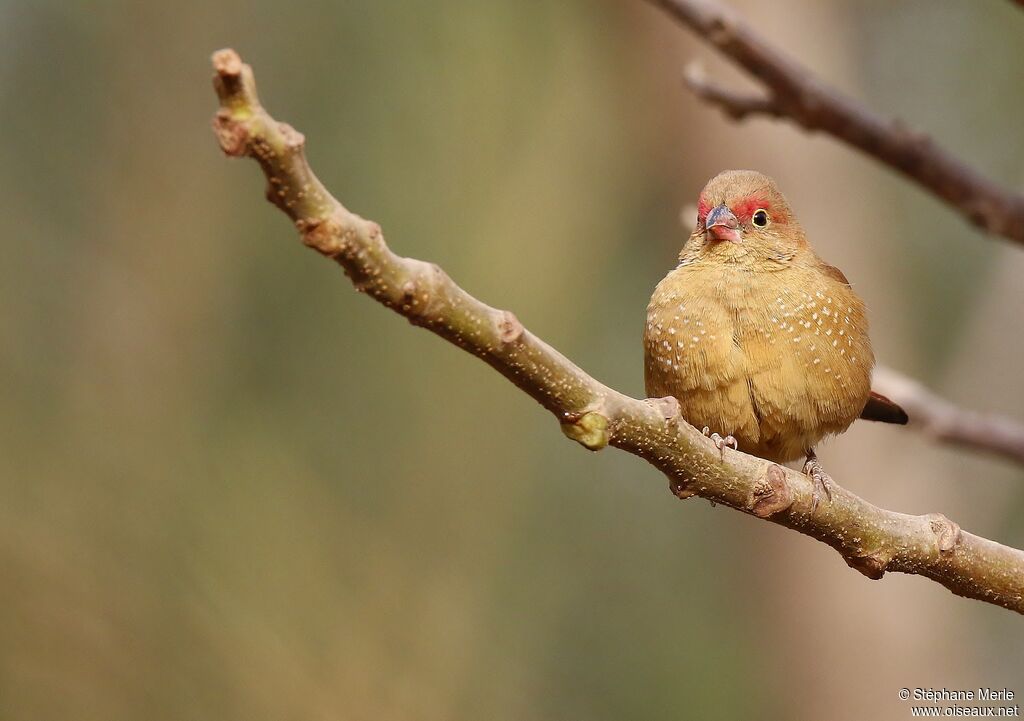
721 224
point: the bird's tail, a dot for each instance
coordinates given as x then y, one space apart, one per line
880 408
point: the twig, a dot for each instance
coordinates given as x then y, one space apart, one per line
943 421
794 93
870 539
734 104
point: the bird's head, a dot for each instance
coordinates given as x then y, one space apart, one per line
743 217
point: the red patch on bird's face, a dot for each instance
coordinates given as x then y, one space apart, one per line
703 208
745 207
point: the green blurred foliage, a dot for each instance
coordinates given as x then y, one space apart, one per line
232 488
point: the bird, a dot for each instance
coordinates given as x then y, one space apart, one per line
756 337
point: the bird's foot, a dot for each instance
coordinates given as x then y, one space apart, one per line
821 481
720 442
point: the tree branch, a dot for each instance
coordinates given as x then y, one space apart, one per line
870 539
794 93
943 421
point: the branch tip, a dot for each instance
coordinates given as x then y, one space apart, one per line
227 63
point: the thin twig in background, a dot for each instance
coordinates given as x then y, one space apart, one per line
943 421
870 539
793 92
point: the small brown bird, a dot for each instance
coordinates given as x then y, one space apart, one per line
757 337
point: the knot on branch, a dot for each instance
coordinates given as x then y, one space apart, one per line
232 134
420 291
871 565
680 489
293 139
914 139
771 494
509 328
721 28
327 236
590 430
668 407
947 533
986 214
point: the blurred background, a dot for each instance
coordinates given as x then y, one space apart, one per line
232 488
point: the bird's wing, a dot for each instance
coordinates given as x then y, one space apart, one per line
880 408
833 272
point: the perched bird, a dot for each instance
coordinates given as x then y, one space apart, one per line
758 338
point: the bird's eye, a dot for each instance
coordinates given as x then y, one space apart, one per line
760 218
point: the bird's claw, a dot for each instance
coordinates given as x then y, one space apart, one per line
720 442
821 482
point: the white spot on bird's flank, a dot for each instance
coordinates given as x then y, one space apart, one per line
672 331
828 332
817 361
695 339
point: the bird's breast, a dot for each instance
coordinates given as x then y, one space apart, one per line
781 358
